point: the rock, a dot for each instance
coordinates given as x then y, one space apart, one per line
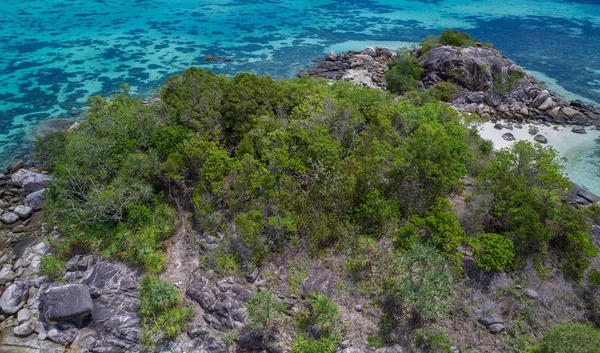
541 139
6 274
77 263
36 182
496 328
578 130
533 130
370 51
331 56
508 127
66 303
249 340
9 218
508 136
518 126
18 177
532 294
498 126
14 297
35 199
9 343
15 167
546 105
23 330
582 193
23 315
321 282
454 349
358 308
63 336
23 212
251 278
490 320
540 98
570 112
198 331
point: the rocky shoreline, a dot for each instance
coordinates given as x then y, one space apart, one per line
476 71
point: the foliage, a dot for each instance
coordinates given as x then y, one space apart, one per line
49 147
449 37
436 341
52 266
444 91
321 317
229 337
594 277
425 283
161 310
440 229
404 72
493 252
263 309
528 191
570 338
506 82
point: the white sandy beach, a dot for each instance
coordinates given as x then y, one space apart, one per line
582 151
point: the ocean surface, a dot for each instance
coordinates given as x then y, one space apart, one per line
56 53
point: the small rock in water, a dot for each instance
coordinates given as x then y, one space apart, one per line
508 127
541 139
508 136
518 126
579 130
498 126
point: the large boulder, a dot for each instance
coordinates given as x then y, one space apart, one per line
23 211
35 199
320 282
66 303
14 297
474 68
19 176
36 182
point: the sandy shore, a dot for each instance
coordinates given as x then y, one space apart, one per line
581 151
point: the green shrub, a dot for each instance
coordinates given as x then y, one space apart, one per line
49 147
404 72
456 39
436 341
493 252
425 283
594 277
444 91
263 310
162 311
570 338
323 315
504 83
430 42
52 266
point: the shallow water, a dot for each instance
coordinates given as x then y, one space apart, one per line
56 53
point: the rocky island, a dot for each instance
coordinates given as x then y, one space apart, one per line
248 214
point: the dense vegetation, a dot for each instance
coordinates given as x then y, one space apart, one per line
304 166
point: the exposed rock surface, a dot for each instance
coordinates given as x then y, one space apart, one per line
366 67
66 303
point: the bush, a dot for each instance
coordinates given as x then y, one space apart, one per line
456 39
594 277
425 283
493 252
444 91
161 311
263 310
321 317
404 72
504 83
570 338
53 267
49 147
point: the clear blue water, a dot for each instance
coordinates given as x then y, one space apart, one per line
56 53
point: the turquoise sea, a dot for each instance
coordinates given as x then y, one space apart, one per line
56 53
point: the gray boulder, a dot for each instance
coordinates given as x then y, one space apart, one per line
9 218
23 330
541 139
6 274
77 263
23 212
36 182
14 297
578 130
588 195
35 199
508 136
19 176
66 303
320 282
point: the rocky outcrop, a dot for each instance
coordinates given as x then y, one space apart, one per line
489 83
65 303
366 67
